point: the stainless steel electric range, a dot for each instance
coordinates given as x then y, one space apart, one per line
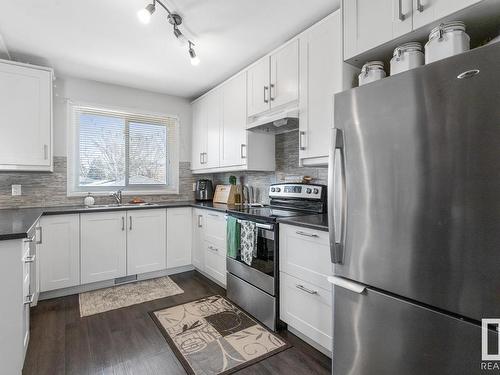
255 286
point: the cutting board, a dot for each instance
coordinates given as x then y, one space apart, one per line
224 194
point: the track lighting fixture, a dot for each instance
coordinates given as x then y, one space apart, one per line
175 20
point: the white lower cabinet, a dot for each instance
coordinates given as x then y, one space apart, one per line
179 236
103 246
146 240
307 308
59 251
198 253
305 294
215 262
209 243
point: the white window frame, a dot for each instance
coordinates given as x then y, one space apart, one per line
73 190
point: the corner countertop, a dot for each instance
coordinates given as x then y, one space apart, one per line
317 221
15 223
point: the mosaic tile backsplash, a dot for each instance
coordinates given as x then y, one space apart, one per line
49 189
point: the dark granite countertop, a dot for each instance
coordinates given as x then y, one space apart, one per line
317 221
15 223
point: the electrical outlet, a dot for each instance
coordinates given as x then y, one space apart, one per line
194 186
16 190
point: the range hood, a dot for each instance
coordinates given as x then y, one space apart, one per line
279 122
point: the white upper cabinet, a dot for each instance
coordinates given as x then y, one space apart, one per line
103 246
199 137
322 74
26 117
179 236
213 113
258 76
370 23
427 11
274 80
220 139
284 86
206 131
146 240
233 135
59 252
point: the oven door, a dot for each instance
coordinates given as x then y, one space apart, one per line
261 271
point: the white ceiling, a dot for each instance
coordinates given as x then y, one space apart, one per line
103 40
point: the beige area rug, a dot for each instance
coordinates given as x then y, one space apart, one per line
115 297
212 336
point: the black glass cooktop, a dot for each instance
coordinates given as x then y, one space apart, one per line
265 213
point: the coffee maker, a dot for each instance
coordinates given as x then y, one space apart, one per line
204 190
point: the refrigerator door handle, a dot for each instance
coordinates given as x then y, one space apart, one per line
347 284
336 248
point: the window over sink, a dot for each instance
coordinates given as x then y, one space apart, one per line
111 150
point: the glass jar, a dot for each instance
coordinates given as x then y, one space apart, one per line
407 56
446 40
371 71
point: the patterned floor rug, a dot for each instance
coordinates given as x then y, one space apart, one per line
107 299
212 336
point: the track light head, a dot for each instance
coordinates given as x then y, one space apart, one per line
195 60
145 14
181 38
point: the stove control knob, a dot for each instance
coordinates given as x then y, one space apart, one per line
273 189
308 190
315 191
278 190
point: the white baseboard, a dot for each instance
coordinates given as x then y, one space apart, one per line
210 278
314 344
107 283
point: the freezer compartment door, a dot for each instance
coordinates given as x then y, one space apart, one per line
375 333
421 153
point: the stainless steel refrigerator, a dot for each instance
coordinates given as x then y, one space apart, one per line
414 211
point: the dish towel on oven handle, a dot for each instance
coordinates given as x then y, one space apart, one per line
233 237
248 241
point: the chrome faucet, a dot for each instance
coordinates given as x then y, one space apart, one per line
118 196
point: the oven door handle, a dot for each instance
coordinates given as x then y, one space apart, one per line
259 225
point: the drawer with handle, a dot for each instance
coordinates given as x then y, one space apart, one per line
305 253
307 308
215 262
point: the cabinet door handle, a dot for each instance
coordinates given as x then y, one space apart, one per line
303 288
40 233
265 94
123 223
243 154
302 135
29 258
271 92
29 299
213 248
130 226
201 157
45 152
420 6
199 221
307 234
400 10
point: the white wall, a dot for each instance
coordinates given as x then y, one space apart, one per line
114 96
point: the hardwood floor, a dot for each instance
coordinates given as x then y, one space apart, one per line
126 341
